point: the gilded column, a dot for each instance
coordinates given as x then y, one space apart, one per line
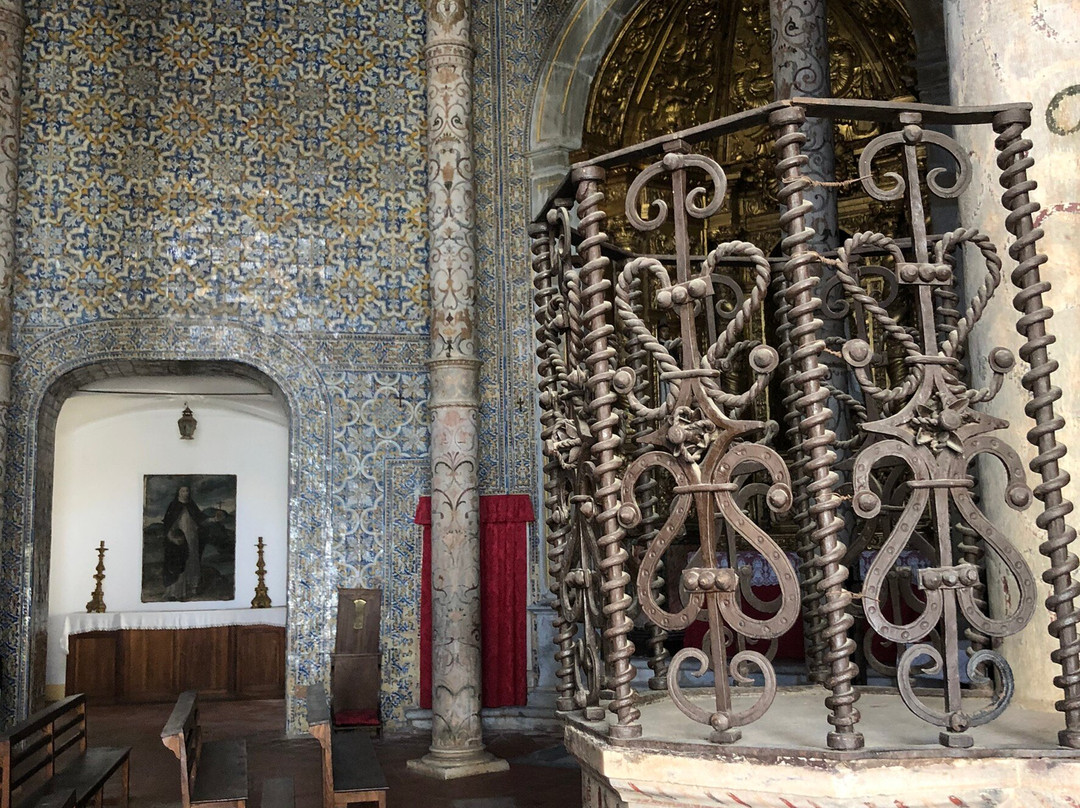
457 748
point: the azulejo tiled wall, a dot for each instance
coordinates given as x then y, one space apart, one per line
200 177
512 40
255 159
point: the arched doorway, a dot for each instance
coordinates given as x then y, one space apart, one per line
119 462
55 366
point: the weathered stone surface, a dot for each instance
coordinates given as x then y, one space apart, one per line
781 762
1023 51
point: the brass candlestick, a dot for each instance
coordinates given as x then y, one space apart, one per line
262 597
97 600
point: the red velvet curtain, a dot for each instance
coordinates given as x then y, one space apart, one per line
503 590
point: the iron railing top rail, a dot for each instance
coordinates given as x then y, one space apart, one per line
831 108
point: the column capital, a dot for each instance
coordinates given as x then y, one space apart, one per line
6 361
12 14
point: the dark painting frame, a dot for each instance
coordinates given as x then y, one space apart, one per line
189 541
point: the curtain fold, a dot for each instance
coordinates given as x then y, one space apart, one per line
503 594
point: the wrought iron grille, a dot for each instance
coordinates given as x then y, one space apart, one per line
650 439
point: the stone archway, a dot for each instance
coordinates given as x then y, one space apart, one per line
52 368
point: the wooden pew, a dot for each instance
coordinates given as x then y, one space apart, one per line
350 770
278 792
212 773
34 766
58 799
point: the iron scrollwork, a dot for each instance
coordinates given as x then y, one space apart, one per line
931 426
700 442
573 553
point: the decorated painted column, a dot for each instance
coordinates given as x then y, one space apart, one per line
1029 50
12 24
457 748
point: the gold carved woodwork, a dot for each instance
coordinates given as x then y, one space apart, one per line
677 64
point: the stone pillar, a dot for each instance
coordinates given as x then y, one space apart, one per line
12 24
457 748
1019 50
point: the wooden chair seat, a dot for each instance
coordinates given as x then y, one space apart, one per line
58 799
278 792
356 769
351 771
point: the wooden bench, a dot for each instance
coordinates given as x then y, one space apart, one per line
278 792
350 770
212 773
58 799
34 766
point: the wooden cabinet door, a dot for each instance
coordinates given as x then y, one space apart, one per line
91 666
260 662
144 665
148 665
204 659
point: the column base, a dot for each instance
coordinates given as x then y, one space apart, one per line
452 765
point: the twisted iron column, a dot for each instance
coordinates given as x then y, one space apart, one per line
647 494
606 442
817 438
805 547
1014 160
800 58
558 515
457 748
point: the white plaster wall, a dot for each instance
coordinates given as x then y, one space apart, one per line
105 443
1026 50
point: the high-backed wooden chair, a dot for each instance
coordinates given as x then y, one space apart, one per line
355 665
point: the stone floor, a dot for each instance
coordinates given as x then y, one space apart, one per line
541 773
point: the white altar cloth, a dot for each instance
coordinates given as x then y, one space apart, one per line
81 622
